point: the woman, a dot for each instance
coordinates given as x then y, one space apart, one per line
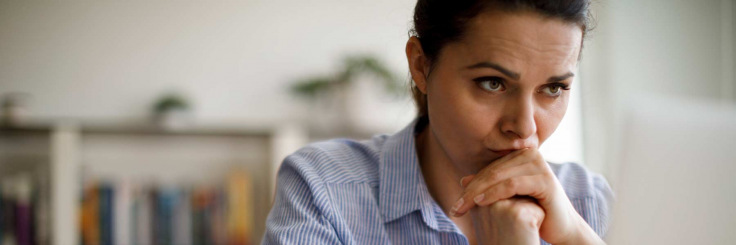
491 80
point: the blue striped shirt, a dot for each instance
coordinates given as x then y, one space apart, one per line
372 192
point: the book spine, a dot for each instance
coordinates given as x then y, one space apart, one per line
156 217
90 216
8 211
106 212
122 214
239 209
183 219
199 217
216 218
143 217
2 216
23 211
41 210
167 201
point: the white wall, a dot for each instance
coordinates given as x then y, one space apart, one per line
677 48
109 60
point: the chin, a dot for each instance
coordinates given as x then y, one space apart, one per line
472 161
482 162
477 165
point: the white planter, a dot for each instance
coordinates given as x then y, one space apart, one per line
174 119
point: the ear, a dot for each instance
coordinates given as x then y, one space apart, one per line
418 63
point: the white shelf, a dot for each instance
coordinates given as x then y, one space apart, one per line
135 152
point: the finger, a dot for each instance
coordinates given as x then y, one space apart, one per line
530 185
531 208
465 180
512 155
515 158
516 166
480 183
511 165
531 204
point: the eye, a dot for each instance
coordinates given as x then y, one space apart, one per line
555 89
490 84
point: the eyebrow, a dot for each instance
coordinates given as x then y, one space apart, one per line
560 78
507 72
516 75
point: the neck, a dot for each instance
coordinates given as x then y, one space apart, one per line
440 175
442 178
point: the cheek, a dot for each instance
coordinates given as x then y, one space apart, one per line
457 118
448 99
548 117
456 106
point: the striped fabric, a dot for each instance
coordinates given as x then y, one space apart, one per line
372 192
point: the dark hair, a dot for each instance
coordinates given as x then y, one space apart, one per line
439 22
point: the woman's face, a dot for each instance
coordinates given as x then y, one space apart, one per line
503 86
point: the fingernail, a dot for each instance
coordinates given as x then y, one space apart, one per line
479 198
462 180
457 206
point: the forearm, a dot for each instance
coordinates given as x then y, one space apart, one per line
492 234
584 235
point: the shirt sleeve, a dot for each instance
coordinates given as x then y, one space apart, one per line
595 209
297 216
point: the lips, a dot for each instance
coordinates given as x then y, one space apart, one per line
502 152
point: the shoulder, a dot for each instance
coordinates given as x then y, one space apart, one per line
308 205
338 161
579 182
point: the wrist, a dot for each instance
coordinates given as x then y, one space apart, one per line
583 235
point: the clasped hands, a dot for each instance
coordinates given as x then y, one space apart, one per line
517 200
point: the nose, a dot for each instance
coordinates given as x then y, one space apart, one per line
518 119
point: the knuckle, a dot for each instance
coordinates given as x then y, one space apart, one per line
529 223
477 186
549 175
493 175
479 179
535 155
519 213
526 216
511 184
542 166
501 206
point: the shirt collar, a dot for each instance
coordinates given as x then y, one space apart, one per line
402 189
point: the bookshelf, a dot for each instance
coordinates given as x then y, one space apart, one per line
63 157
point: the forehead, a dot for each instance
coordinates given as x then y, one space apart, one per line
523 37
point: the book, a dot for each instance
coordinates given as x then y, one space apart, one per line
122 213
143 217
23 207
90 221
106 211
182 231
239 208
8 211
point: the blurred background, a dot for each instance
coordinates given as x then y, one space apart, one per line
164 122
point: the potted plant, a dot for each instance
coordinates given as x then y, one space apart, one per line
172 111
328 94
